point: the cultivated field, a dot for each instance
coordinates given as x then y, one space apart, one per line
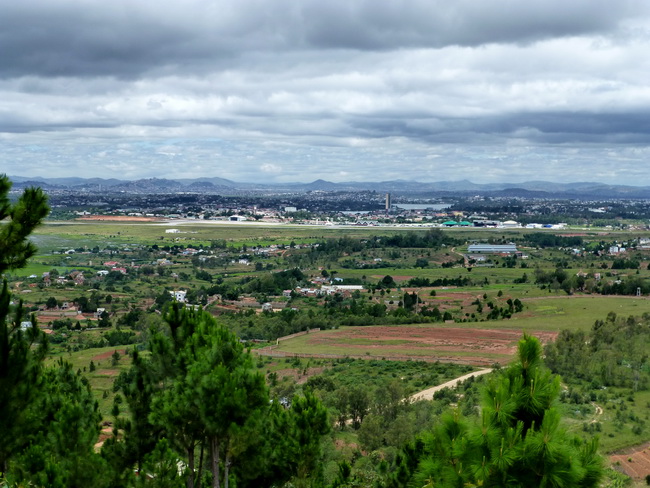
635 461
428 343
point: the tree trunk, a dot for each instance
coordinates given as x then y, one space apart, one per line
190 465
226 469
216 483
200 477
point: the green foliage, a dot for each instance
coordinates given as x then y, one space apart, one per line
21 356
199 396
518 440
622 263
21 351
120 337
203 275
63 424
162 461
387 282
275 283
613 353
421 263
139 435
23 217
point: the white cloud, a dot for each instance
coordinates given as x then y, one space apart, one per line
270 168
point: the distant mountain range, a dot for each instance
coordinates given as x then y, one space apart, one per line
529 189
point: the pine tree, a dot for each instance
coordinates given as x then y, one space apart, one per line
23 217
59 447
198 393
21 356
20 360
518 441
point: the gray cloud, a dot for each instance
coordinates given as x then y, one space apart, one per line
123 38
286 90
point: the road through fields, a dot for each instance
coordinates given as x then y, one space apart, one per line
429 392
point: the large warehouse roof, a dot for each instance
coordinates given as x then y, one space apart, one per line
492 248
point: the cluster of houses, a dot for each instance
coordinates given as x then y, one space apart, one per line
77 277
323 290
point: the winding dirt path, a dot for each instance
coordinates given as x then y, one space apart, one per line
597 413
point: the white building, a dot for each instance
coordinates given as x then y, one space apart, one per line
179 295
616 250
510 224
336 288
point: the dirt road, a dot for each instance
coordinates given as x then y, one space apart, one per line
428 393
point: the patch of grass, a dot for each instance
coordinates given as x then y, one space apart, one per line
574 313
101 380
413 375
618 428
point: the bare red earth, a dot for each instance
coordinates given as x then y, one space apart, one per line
635 461
108 354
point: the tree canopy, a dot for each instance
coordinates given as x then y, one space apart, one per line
517 442
48 419
199 398
23 217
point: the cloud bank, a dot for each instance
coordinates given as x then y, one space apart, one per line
294 91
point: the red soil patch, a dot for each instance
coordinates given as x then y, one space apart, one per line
105 433
108 354
119 218
635 461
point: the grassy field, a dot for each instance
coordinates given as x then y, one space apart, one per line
69 233
62 234
573 312
101 380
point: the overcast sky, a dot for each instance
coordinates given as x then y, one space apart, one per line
344 90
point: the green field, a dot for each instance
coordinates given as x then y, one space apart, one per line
53 235
574 312
101 380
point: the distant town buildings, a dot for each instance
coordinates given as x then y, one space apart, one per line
492 248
